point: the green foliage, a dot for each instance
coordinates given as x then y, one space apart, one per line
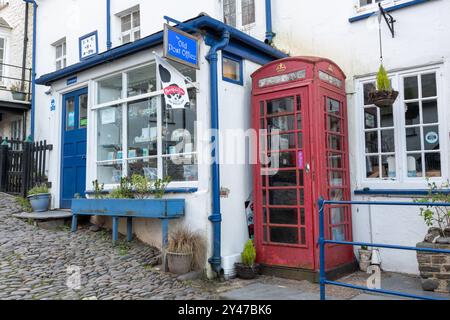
434 215
159 187
249 254
383 82
38 189
98 189
364 248
24 203
123 191
140 186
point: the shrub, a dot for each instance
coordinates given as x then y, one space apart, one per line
25 204
159 187
123 191
249 254
383 82
140 186
434 215
38 189
98 189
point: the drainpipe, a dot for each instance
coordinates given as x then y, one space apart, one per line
108 25
33 67
269 33
216 216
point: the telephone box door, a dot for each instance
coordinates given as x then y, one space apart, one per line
283 199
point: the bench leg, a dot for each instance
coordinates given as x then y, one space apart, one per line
129 229
115 229
74 222
165 239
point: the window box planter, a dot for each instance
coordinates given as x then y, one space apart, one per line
20 96
383 98
40 202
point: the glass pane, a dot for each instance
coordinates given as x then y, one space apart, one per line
287 141
335 160
181 168
372 142
302 216
58 65
110 89
413 142
337 215
126 38
431 138
141 81
412 114
368 87
248 12
336 178
136 19
83 101
231 69
371 118
335 142
286 159
178 127
109 173
142 128
388 167
387 117
414 165
146 167
126 23
284 235
430 112
334 124
59 51
336 195
411 88
387 141
283 216
188 72
280 105
433 164
283 197
372 167
302 236
284 123
283 179
339 233
70 114
300 140
429 85
299 121
229 12
137 35
109 134
333 107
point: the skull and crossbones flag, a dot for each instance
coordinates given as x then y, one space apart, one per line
173 84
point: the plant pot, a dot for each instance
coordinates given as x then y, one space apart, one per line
245 272
40 202
365 259
383 98
179 263
433 267
18 96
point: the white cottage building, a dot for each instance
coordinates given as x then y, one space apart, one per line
98 90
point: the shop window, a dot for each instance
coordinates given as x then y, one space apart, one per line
232 69
130 26
239 13
60 54
140 135
406 135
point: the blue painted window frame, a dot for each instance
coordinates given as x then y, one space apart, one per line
240 61
96 44
387 9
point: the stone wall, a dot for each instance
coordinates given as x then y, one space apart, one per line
434 267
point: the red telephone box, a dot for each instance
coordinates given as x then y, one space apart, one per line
299 109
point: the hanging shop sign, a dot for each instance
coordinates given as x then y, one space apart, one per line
181 47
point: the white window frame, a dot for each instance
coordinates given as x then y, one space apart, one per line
4 59
239 19
132 30
123 103
374 6
63 58
402 181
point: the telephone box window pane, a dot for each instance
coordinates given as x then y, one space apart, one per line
283 197
373 167
286 159
335 142
433 165
334 124
431 138
147 168
387 117
300 140
336 178
387 141
368 87
430 111
338 233
336 195
429 85
282 105
371 118
333 107
372 142
284 235
414 165
302 216
413 139
302 236
335 160
337 215
261 109
299 121
411 88
284 123
412 114
287 141
283 216
283 179
70 114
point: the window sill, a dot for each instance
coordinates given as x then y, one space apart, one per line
395 192
370 12
168 191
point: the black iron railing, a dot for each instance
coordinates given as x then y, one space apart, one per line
20 87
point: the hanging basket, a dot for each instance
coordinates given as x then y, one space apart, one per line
383 98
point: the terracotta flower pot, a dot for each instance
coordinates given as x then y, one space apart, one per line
383 98
179 263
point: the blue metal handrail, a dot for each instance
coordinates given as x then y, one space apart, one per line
322 242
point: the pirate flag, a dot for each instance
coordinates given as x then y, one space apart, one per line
173 85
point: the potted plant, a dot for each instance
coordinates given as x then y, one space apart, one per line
39 198
17 91
384 96
365 258
185 251
248 269
433 267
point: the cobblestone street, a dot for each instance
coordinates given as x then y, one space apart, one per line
34 264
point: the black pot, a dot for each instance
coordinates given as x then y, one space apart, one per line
383 98
245 272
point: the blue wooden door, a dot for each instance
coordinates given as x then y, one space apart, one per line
74 137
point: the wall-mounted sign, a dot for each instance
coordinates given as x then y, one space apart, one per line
271 81
330 79
53 105
88 45
181 47
72 80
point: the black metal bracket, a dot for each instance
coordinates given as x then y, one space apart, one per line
390 21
